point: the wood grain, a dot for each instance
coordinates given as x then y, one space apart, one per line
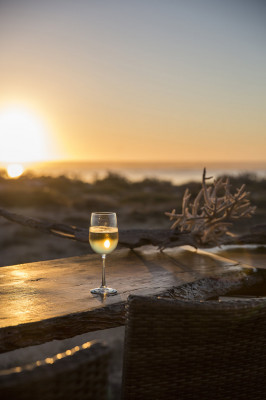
50 300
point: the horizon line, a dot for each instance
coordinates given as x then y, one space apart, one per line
199 164
139 161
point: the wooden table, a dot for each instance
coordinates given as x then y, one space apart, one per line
49 300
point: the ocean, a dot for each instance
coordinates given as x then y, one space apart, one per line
177 173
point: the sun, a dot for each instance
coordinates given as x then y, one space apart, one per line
22 136
14 170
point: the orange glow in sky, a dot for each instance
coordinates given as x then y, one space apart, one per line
133 81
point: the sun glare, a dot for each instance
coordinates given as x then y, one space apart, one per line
107 244
14 170
22 136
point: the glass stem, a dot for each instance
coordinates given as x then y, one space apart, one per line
103 271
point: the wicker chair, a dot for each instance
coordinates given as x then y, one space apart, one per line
177 349
76 374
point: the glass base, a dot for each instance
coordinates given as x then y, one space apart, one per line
104 290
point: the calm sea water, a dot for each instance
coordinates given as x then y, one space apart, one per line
177 173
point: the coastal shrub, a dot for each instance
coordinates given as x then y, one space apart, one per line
42 198
146 198
112 182
95 203
153 184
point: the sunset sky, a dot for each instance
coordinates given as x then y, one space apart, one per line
169 80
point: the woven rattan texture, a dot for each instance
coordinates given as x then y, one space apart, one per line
191 350
81 376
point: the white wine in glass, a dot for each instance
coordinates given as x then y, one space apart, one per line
103 239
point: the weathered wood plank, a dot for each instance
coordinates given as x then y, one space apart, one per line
51 300
250 255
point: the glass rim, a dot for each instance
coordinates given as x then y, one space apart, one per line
103 212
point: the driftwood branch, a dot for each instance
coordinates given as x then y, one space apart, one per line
130 238
213 211
133 238
57 229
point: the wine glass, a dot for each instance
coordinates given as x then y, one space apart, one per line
103 238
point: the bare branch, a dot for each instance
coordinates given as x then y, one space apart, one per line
211 214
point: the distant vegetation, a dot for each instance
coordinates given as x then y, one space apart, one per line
137 203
